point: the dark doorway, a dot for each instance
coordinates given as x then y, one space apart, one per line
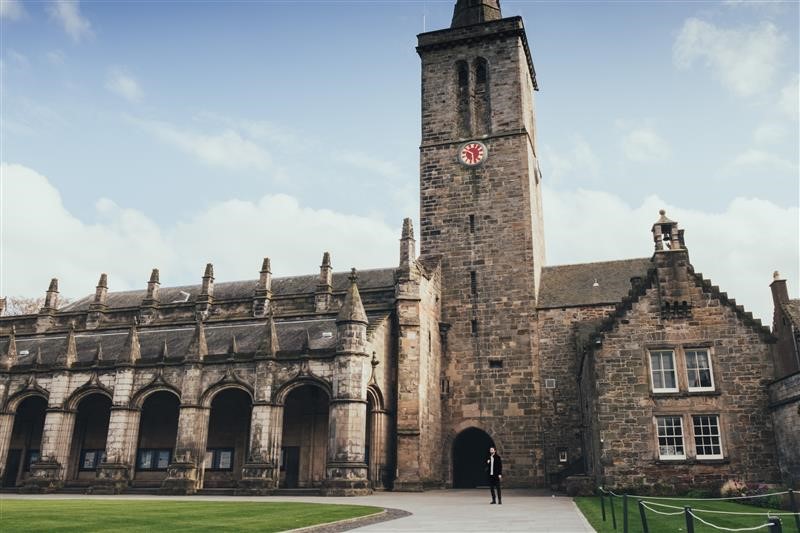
470 452
305 429
291 466
26 438
12 467
228 438
158 428
89 437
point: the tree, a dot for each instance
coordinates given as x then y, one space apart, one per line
20 305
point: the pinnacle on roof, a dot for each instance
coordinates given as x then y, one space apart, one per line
352 309
469 12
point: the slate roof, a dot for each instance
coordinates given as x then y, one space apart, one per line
294 337
232 290
792 310
573 285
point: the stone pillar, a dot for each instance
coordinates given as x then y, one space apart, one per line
260 471
185 473
6 427
115 473
346 471
49 473
407 296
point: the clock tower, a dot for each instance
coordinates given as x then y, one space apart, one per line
481 216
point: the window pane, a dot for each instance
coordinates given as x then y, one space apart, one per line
706 436
163 459
88 460
145 459
225 459
670 437
662 364
698 369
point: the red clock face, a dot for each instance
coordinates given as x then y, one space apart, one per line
472 153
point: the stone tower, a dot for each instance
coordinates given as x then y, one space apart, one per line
480 214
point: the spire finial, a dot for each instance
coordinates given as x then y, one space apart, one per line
352 309
353 277
469 12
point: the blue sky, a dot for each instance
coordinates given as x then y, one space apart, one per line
168 134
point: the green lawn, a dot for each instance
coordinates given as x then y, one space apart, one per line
163 515
590 506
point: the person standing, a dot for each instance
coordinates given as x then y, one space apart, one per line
495 469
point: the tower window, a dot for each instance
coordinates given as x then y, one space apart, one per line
482 107
495 363
472 223
463 75
474 327
473 282
464 111
480 72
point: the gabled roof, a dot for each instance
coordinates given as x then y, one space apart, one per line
792 310
574 285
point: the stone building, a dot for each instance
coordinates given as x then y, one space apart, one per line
785 390
636 372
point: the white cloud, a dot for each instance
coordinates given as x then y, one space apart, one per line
56 57
42 239
227 149
769 133
11 9
579 160
68 14
745 60
738 249
363 161
122 83
789 101
21 60
645 145
754 159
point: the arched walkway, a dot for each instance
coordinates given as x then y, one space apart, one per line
305 437
88 448
470 451
26 438
158 429
228 437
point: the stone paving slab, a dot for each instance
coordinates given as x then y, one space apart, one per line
437 511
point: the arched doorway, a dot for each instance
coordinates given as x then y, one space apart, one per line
26 438
158 429
305 437
228 436
470 451
89 438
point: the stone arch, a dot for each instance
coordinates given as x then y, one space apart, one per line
450 441
284 390
375 396
208 395
91 387
139 397
18 397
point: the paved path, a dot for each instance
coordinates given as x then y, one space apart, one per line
436 511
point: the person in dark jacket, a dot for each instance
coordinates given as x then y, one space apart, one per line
494 467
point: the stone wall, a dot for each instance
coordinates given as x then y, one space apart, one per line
627 453
784 396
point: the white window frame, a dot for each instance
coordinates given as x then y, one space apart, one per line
686 353
650 354
718 436
670 457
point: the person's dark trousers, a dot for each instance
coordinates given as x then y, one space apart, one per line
494 484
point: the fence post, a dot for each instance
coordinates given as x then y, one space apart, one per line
613 513
793 507
603 505
775 525
624 513
687 512
644 517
